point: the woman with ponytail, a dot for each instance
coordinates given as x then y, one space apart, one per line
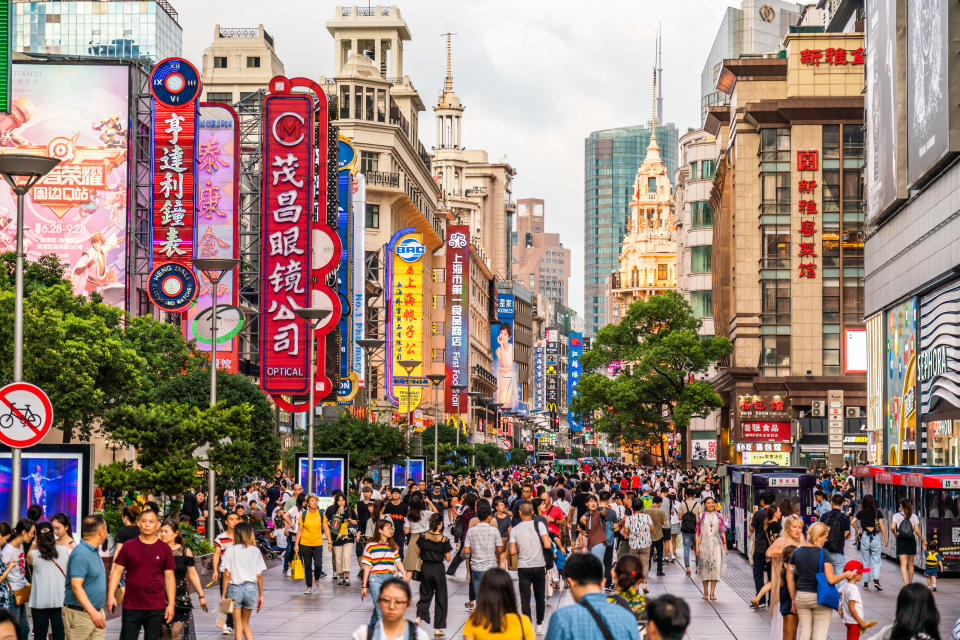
627 577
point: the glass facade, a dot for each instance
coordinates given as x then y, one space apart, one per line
611 158
137 29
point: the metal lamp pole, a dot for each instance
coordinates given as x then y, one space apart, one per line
314 317
368 345
21 171
409 365
214 269
436 379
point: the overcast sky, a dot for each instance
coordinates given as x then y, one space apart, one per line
536 77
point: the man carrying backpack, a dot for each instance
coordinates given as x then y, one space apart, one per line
839 524
688 511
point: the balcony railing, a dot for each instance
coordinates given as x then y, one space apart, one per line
383 178
510 206
476 191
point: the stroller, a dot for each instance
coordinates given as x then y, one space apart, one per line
269 552
555 574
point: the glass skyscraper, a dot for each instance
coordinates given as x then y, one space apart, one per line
611 158
135 29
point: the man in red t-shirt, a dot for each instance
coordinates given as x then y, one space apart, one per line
149 595
635 482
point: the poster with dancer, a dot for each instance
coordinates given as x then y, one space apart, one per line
329 475
54 481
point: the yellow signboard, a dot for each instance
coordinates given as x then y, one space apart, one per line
405 253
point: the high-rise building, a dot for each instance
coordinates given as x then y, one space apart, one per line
648 256
757 27
788 258
135 29
238 62
611 158
540 262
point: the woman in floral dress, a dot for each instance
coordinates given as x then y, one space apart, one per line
711 549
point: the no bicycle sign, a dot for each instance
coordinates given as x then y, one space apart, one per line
26 414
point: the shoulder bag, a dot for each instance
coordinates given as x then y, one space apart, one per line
604 629
827 594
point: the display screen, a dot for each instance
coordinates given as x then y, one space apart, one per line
51 480
416 469
78 113
329 475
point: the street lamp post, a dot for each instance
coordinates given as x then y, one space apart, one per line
458 389
436 379
314 317
21 171
214 269
368 345
409 365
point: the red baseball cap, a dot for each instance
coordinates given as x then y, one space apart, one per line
855 565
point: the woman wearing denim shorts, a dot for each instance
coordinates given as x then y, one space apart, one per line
243 569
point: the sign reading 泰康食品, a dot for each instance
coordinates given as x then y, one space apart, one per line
458 315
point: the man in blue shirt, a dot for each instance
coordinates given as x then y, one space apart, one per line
583 573
821 505
86 591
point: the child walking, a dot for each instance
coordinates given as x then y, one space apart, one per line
933 565
435 548
851 602
243 569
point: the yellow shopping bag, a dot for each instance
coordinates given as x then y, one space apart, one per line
297 566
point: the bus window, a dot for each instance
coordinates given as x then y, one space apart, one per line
933 508
950 503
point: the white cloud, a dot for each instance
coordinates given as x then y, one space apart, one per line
536 77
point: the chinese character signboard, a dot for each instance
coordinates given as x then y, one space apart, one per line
573 376
78 113
358 277
405 319
216 231
766 431
765 407
285 257
504 306
807 162
175 86
539 373
458 315
832 56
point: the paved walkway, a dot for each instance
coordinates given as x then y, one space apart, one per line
336 612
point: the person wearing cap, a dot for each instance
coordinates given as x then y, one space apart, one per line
851 602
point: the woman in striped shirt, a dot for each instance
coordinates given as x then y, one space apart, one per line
380 562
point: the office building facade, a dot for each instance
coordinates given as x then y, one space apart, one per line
540 262
238 62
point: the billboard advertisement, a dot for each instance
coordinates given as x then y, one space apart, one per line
344 273
901 381
885 161
329 475
405 319
78 113
56 477
928 90
458 315
285 258
217 232
358 277
504 364
573 376
703 450
504 306
539 373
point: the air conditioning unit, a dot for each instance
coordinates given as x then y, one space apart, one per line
852 412
818 408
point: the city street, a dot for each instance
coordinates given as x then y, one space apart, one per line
336 612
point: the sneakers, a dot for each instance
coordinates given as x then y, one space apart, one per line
539 629
876 585
866 584
227 631
308 591
470 606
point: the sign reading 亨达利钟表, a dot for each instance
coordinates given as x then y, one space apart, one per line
405 318
458 315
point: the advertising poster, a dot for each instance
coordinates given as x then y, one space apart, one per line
504 366
928 91
405 319
398 475
883 122
358 277
329 475
80 114
285 259
458 315
539 377
417 469
573 376
217 231
703 450
900 388
52 480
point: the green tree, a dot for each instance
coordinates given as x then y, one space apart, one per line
377 443
259 453
658 344
165 436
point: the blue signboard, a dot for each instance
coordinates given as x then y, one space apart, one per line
504 306
573 377
343 269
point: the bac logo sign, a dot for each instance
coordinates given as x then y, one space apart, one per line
410 250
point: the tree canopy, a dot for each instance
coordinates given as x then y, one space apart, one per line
659 350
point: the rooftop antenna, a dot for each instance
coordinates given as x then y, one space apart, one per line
448 81
659 116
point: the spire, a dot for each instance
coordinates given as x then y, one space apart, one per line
448 82
659 116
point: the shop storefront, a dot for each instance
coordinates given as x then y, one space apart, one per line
764 452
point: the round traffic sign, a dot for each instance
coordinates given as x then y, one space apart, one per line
505 444
26 414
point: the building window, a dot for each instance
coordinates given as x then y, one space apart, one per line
373 216
775 302
693 170
215 96
369 161
701 258
701 214
775 355
708 169
651 185
438 274
662 272
253 62
219 62
702 303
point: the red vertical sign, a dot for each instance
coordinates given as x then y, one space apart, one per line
458 316
285 255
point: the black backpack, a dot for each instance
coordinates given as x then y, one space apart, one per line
688 521
905 528
411 630
834 543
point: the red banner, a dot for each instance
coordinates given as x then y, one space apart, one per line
458 316
766 431
285 255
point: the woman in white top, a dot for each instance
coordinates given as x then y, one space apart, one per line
12 557
49 561
906 527
243 569
63 531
